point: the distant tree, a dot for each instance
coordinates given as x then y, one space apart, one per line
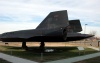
93 32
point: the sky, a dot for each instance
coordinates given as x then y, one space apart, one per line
27 14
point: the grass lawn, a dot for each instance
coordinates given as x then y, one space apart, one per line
3 61
35 55
92 60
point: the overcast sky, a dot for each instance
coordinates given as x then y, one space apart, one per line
27 14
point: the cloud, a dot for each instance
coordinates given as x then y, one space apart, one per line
7 27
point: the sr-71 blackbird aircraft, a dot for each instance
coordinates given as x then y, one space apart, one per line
54 28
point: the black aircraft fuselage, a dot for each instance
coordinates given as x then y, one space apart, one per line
46 35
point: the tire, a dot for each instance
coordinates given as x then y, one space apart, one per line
65 35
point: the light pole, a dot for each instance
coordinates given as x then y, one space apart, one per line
84 32
85 28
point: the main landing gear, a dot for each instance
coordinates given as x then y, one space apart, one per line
42 46
24 45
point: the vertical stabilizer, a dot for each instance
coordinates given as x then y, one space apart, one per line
75 25
54 20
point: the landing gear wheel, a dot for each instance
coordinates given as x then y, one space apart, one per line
64 35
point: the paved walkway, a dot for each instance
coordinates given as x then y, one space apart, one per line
14 59
95 48
75 59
